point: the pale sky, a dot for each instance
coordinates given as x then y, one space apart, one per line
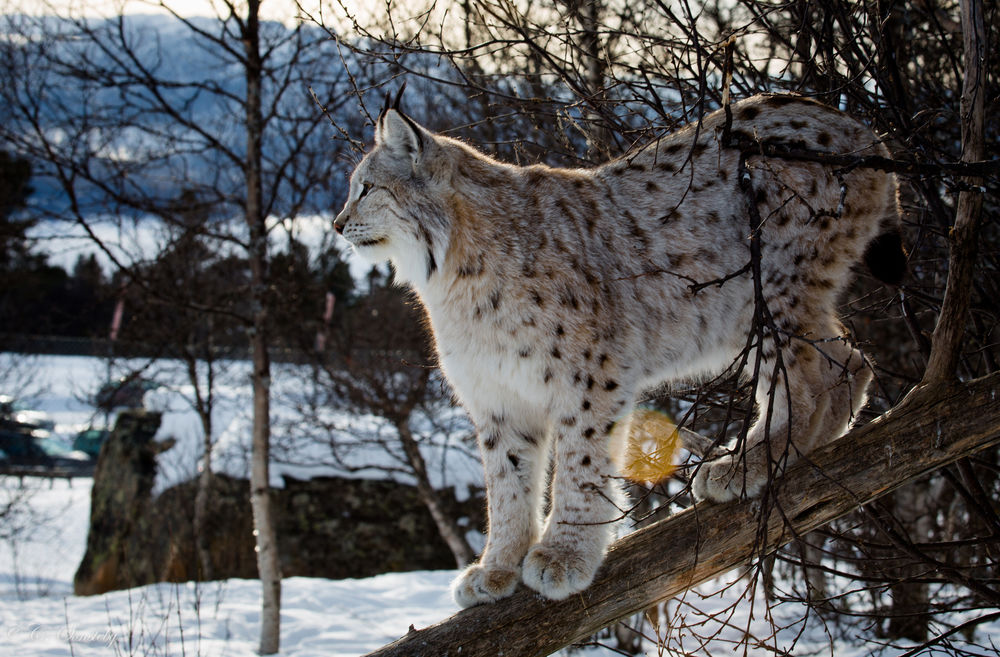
281 10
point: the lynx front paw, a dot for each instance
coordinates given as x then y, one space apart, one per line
727 478
558 572
482 583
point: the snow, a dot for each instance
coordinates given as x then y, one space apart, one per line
336 443
39 616
61 386
319 617
338 618
41 546
48 541
345 445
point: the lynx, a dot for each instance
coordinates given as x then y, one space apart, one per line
556 296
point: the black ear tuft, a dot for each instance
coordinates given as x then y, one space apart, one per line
391 103
385 107
886 258
399 97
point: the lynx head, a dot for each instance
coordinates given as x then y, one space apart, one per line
395 205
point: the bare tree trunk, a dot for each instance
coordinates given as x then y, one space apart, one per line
909 616
947 340
203 494
203 405
599 136
812 557
447 528
268 565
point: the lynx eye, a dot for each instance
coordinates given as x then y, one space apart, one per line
365 188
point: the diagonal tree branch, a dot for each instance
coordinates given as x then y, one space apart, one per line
936 424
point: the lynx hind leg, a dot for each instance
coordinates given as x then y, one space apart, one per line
514 464
846 375
827 380
586 502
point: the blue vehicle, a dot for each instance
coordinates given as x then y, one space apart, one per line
90 441
24 454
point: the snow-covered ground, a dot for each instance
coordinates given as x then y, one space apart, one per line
333 618
41 546
342 618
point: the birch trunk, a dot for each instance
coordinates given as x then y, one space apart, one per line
268 565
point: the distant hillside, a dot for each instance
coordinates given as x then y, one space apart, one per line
129 146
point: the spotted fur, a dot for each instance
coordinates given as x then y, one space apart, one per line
557 295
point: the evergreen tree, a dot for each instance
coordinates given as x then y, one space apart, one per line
15 173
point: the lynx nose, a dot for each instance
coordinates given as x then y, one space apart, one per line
339 222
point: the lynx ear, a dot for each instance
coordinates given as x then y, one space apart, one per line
400 135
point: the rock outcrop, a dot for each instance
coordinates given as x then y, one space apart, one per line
327 527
